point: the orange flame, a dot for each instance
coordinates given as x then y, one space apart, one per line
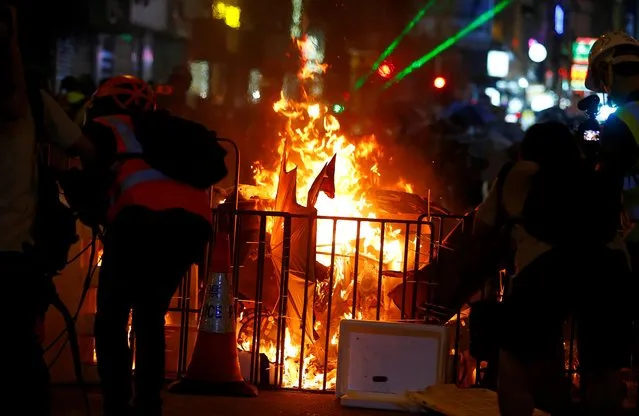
311 138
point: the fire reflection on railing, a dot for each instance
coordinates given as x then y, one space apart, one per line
297 330
293 315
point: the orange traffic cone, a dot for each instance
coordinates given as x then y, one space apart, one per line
215 368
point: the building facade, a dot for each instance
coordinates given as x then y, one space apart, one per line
146 38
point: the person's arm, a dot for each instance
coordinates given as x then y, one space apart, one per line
64 133
619 149
87 190
14 103
486 215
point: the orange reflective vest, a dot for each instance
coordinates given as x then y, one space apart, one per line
137 183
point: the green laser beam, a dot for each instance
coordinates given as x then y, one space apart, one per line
389 50
482 19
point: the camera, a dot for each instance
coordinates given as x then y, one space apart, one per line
589 130
591 135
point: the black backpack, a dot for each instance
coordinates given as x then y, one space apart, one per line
54 228
571 207
181 149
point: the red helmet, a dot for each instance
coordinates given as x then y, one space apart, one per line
125 92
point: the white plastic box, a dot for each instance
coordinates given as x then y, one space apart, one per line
380 362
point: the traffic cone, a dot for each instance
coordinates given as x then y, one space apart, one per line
215 367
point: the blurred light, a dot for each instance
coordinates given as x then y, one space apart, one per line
313 54
578 77
559 20
200 78
147 62
511 118
297 7
537 52
565 103
230 14
515 105
255 85
338 108
497 64
164 90
440 82
527 119
604 112
542 102
581 50
385 70
495 96
314 111
501 84
523 83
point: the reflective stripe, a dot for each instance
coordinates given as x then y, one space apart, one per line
629 114
126 133
139 177
630 182
133 179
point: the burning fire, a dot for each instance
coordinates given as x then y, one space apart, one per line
311 138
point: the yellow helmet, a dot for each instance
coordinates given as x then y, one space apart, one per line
603 50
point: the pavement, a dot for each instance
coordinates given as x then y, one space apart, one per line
67 401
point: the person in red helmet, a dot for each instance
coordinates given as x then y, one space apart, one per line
153 203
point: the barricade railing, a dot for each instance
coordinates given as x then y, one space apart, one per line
348 271
269 359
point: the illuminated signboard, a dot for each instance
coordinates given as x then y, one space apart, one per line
559 20
230 14
581 49
578 77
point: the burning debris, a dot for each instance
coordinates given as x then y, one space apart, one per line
334 265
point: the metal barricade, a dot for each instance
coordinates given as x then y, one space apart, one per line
346 273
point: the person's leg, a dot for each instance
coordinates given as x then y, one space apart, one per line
605 334
514 392
604 349
28 384
603 392
148 323
531 338
111 334
178 248
550 387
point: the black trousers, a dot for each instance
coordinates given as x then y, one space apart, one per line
146 254
24 300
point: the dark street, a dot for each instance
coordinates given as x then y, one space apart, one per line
67 401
